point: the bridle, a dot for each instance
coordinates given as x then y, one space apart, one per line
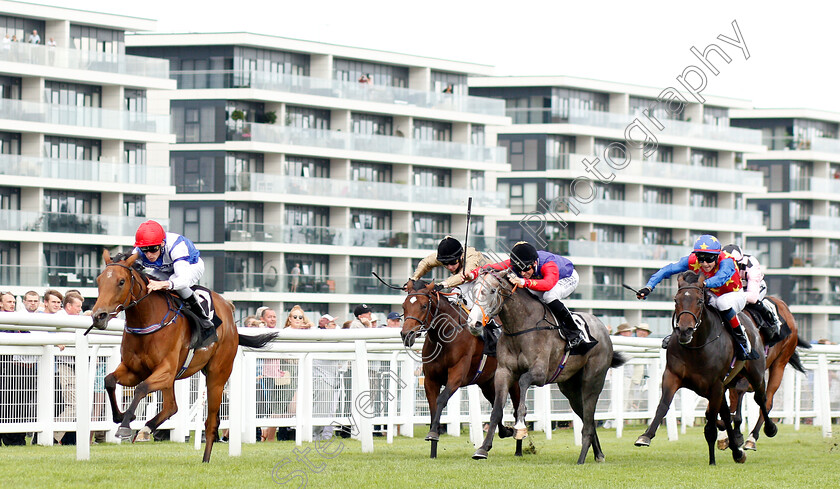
128 303
424 327
697 319
502 290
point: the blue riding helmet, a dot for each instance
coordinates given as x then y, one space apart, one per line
707 244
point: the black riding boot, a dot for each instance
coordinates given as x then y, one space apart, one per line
743 351
207 331
665 340
772 320
574 338
490 336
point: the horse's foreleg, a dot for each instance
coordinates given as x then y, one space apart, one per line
502 383
122 376
756 378
670 384
215 391
773 383
735 438
170 407
432 389
161 378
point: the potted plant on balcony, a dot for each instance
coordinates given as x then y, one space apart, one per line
269 117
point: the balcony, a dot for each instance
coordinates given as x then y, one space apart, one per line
824 223
333 236
603 249
352 90
825 145
347 141
353 189
602 292
27 276
814 297
669 212
817 260
813 184
676 171
71 115
94 171
57 222
76 59
308 284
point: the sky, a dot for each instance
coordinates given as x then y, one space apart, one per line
792 45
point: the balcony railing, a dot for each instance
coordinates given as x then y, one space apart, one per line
76 59
334 236
819 260
814 184
57 222
268 133
351 90
71 115
824 223
814 298
311 284
95 171
353 189
825 145
676 171
663 292
604 249
27 276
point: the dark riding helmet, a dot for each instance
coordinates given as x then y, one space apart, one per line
522 256
734 251
449 251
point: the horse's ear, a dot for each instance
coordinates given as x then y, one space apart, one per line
106 256
409 286
131 260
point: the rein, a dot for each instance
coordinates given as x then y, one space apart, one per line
697 320
129 303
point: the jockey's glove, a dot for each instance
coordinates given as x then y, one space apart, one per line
643 293
516 280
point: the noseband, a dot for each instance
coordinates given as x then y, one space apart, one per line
675 319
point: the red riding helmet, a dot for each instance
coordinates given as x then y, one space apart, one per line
150 233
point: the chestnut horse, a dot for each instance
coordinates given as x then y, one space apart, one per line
700 357
153 362
778 356
451 355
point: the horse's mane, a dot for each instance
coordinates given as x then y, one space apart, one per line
689 277
420 284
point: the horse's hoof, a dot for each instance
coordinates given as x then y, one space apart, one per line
505 431
723 444
480 454
432 436
600 459
742 459
520 434
642 441
770 430
123 432
749 445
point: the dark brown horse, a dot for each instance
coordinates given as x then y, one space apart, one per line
779 355
153 362
700 357
451 355
531 352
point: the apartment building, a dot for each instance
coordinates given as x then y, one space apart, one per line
637 210
801 247
302 167
84 144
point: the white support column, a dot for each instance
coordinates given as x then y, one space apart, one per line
362 395
654 387
453 427
409 399
750 412
821 386
46 396
617 393
83 398
235 410
788 388
577 424
391 396
196 415
305 399
797 401
542 409
476 433
249 398
181 431
113 362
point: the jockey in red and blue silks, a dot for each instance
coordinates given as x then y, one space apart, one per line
552 278
723 283
173 263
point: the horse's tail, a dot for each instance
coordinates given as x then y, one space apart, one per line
617 360
796 362
800 343
256 341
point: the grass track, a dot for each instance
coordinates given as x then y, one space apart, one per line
801 459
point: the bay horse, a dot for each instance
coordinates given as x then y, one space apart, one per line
154 361
452 357
779 355
701 357
532 352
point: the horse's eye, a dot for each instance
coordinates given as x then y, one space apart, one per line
423 306
122 282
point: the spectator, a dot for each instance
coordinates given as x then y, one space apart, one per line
8 303
449 89
51 42
346 324
295 277
297 319
326 322
52 301
362 313
17 388
72 304
365 78
34 38
269 317
394 320
624 329
31 300
374 321
251 322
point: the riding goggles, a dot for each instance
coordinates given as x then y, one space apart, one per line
150 249
706 257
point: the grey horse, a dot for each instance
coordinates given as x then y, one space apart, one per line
532 352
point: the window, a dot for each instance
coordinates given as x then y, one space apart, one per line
20 27
800 213
442 80
135 100
703 198
101 40
9 143
663 154
74 94
477 135
432 177
62 201
194 220
429 229
370 219
304 215
638 106
10 258
135 153
432 130
608 283
307 118
386 75
700 157
615 153
566 102
372 124
522 196
477 181
535 109
238 170
370 172
715 116
194 172
243 213
10 198
72 148
248 59
299 166
72 265
609 191
9 87
657 236
134 205
609 233
196 121
244 272
523 153
313 266
657 195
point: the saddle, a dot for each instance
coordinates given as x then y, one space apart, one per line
765 328
205 299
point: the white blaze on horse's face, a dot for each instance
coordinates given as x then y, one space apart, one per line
475 315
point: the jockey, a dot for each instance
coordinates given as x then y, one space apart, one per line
553 278
173 263
449 255
752 277
722 283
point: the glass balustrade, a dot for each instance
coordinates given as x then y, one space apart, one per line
71 115
57 222
96 171
672 212
76 59
311 284
27 276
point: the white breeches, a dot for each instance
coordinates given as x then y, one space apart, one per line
731 300
564 288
